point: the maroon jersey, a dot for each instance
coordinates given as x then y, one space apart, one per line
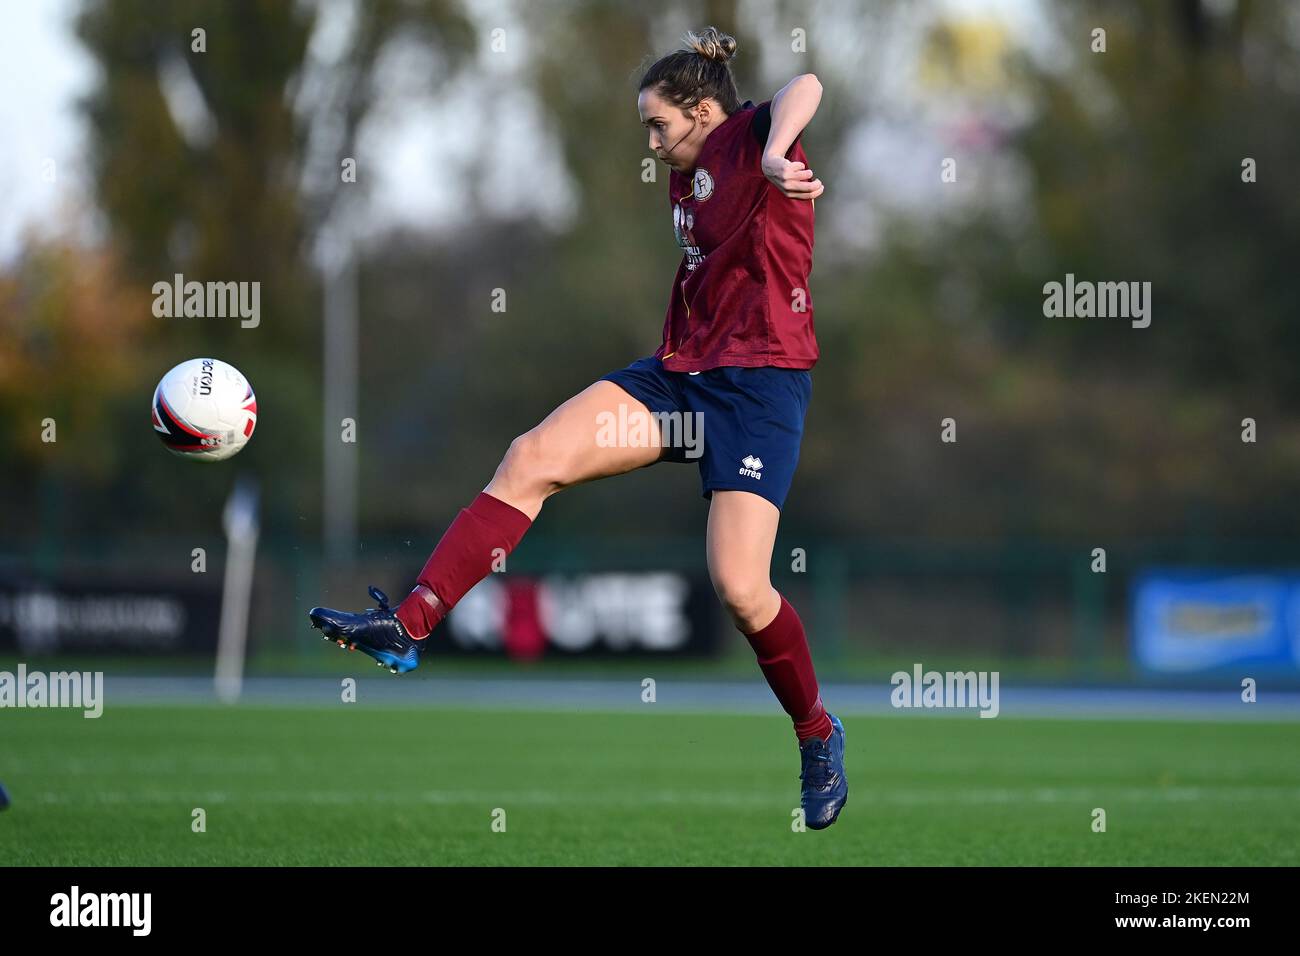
741 293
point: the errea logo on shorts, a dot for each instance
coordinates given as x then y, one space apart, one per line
751 466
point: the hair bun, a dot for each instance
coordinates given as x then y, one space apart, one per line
712 44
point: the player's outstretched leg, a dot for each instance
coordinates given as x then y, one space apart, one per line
562 451
742 533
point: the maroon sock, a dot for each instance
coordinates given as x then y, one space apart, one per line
485 531
782 649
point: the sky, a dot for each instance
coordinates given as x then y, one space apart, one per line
43 70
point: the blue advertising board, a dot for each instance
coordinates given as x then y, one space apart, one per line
1189 621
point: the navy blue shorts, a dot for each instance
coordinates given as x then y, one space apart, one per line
744 427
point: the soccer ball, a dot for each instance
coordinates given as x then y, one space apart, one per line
204 409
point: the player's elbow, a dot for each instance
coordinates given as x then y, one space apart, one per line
810 80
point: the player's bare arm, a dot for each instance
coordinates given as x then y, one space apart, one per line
793 108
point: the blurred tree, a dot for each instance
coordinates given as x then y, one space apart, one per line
212 156
67 320
1124 166
1131 163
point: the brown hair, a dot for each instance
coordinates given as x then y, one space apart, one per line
688 76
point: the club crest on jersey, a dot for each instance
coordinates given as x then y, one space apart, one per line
702 184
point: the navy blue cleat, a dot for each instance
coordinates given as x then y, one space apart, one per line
825 788
375 631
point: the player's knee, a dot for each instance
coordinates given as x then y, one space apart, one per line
531 463
745 598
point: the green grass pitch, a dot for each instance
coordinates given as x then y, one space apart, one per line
390 786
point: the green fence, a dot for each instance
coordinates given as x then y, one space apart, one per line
867 605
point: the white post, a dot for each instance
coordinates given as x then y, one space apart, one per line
340 400
240 521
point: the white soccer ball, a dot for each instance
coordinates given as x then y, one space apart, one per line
204 409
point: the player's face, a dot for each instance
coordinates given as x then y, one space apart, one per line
675 137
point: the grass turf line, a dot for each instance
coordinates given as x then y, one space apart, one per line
418 786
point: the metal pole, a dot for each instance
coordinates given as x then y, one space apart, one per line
340 401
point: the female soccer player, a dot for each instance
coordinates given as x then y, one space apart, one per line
737 346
